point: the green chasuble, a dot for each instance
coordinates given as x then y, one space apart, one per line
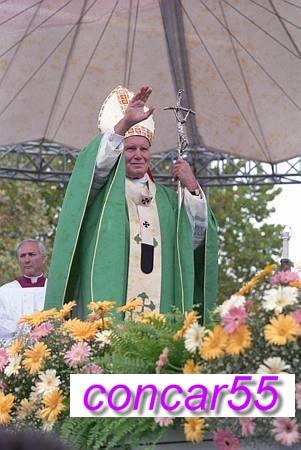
91 248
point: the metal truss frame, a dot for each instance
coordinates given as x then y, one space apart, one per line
38 161
43 161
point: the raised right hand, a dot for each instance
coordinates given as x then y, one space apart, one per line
135 111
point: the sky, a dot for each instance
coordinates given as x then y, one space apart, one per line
288 212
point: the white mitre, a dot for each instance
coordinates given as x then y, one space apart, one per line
113 110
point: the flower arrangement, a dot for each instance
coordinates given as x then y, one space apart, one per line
254 331
35 367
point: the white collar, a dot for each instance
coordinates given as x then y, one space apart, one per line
142 180
34 279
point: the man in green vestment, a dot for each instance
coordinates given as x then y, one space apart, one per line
121 235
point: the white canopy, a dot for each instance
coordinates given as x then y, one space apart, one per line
237 60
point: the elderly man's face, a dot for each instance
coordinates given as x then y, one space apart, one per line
137 156
30 259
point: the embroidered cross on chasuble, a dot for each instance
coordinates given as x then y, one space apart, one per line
144 273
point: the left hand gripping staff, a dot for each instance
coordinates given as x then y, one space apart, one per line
181 115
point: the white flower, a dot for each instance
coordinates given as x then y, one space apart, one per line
194 337
104 337
297 266
48 426
164 421
277 299
34 396
13 366
273 365
235 301
48 382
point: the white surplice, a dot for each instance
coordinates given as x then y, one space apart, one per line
15 302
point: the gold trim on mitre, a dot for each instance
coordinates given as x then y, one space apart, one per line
113 110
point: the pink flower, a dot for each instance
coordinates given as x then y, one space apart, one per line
163 358
224 440
235 317
296 315
247 426
286 431
249 305
3 358
298 395
41 331
78 353
163 421
91 368
284 277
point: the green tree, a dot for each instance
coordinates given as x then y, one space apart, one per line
247 243
27 210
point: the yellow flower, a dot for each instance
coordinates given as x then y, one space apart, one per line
239 340
194 429
191 367
54 405
131 305
26 407
296 284
214 343
15 348
38 317
34 357
80 330
101 307
65 311
281 329
190 318
105 323
6 403
270 268
250 284
150 317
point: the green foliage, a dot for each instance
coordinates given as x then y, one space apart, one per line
94 434
131 352
246 241
27 210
